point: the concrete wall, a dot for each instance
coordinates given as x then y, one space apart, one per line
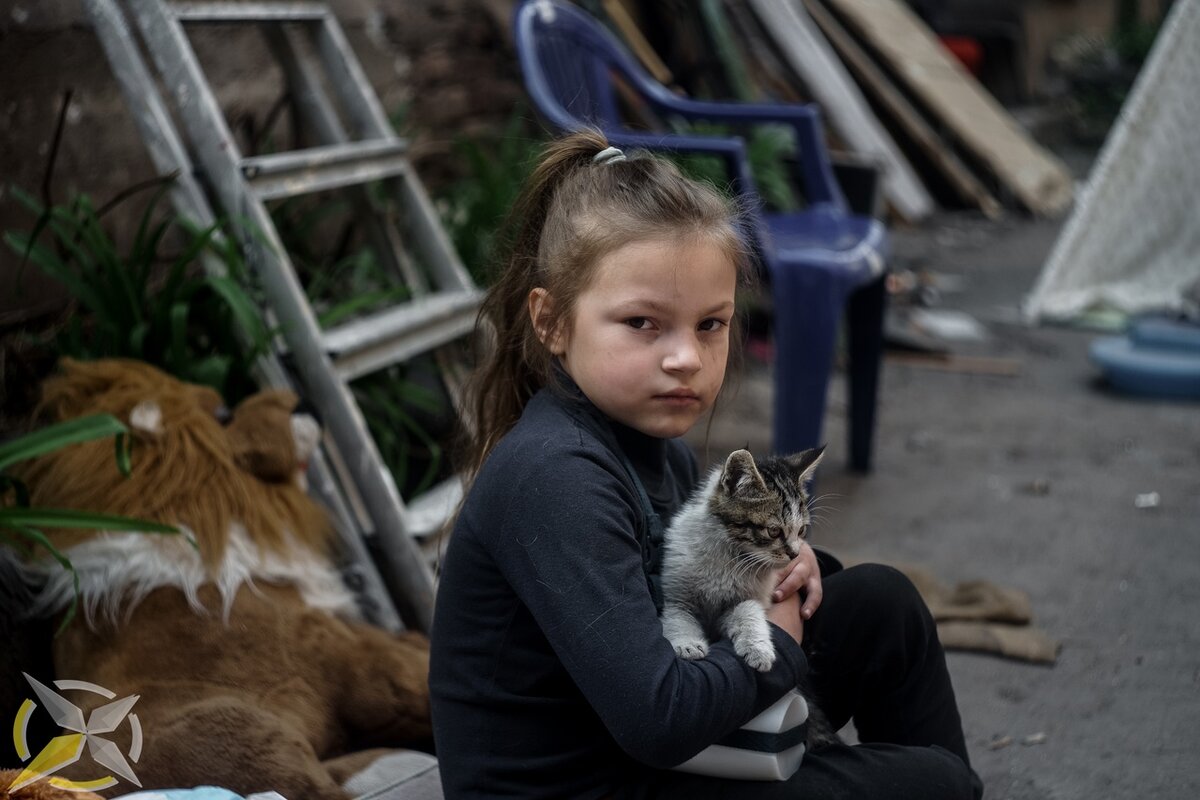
448 62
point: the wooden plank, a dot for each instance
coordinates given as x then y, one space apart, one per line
810 57
1035 177
951 166
621 17
766 69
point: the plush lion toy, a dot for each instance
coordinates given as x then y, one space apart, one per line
251 670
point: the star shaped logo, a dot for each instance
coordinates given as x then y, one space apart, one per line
64 750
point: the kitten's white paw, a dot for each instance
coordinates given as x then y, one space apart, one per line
757 655
691 649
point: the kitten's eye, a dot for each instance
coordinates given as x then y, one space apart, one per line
775 532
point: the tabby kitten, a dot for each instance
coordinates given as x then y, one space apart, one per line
721 554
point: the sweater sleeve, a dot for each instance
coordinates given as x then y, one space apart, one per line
565 541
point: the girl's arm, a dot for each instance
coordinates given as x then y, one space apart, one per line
566 543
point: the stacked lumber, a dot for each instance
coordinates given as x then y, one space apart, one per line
890 92
951 96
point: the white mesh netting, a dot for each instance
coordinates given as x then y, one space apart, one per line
1133 240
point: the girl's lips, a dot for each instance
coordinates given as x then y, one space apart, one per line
679 397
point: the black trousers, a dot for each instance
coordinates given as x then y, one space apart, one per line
874 657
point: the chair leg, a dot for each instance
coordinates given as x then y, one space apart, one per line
807 311
864 317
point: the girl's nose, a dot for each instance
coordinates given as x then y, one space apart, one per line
683 356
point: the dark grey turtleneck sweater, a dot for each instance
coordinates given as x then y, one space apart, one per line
550 676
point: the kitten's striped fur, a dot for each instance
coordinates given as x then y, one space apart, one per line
723 550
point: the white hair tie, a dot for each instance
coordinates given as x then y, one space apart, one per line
608 155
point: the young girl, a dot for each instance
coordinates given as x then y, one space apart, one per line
550 676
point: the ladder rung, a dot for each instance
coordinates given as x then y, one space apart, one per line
248 12
426 514
399 333
318 169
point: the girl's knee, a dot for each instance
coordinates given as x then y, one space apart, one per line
884 606
887 589
919 773
886 772
952 779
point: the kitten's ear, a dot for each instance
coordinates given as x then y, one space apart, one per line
740 476
805 463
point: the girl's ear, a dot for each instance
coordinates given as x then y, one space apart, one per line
541 314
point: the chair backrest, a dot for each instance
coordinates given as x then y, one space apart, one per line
568 60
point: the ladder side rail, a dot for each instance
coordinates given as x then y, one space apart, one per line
294 54
150 114
219 155
359 569
420 223
319 114
419 220
169 155
348 80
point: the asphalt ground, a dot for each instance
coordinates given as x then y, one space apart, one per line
1031 480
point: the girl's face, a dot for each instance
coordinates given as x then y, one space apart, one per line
649 337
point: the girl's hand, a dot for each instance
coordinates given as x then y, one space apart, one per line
802 573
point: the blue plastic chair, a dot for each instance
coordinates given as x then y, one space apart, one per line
820 261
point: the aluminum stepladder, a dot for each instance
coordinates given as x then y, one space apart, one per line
313 52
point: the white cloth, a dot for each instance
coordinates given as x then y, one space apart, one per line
1133 242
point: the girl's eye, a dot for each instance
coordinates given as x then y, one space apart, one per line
710 325
638 323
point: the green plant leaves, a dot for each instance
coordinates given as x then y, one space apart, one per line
57 436
21 522
363 302
29 518
36 536
167 310
243 309
768 149
402 417
476 205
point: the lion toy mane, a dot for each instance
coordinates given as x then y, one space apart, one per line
252 670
